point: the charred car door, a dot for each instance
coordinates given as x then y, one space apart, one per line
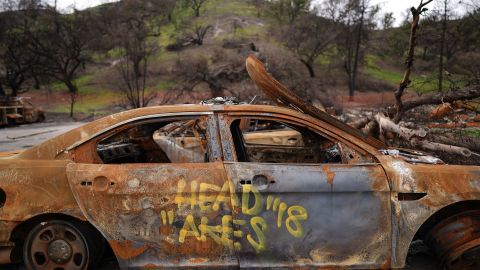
157 190
306 197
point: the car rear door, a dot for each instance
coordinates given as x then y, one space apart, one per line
298 210
154 214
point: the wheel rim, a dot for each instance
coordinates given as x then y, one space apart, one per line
456 241
466 257
57 246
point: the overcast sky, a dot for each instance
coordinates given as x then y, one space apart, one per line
78 4
398 7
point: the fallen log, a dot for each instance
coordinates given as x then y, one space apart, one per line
434 146
417 137
463 141
467 93
405 133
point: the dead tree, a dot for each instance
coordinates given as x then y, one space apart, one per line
196 5
61 46
309 37
134 32
353 78
442 45
416 12
196 35
16 61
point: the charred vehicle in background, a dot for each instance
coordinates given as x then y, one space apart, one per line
229 186
18 110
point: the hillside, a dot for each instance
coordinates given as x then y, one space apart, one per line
181 68
237 27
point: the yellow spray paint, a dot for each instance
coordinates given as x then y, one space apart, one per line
208 198
258 200
294 219
259 226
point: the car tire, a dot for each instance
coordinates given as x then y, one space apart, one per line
59 244
456 241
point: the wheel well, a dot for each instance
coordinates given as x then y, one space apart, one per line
20 232
444 213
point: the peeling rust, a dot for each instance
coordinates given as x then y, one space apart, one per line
329 173
125 249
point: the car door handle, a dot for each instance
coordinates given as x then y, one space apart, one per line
257 180
99 183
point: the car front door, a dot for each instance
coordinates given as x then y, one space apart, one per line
157 191
306 197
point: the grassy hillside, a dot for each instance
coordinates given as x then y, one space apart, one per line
231 21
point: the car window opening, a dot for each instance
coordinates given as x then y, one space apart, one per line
267 141
182 141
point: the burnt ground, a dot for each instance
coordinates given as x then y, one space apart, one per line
25 136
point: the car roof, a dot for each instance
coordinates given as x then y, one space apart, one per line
54 146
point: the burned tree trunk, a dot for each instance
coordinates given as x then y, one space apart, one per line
309 67
353 86
416 12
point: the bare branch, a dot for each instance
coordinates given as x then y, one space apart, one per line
416 12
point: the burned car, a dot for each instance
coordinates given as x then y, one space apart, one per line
232 186
18 110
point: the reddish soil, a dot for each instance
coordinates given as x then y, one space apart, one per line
47 99
368 99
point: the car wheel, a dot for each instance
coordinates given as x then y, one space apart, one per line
456 241
57 245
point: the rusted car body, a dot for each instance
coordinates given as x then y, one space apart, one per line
313 194
18 111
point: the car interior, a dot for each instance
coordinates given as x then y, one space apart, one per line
267 141
159 142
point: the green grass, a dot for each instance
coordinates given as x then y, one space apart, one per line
234 7
163 56
419 84
90 103
382 74
471 132
84 84
168 34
